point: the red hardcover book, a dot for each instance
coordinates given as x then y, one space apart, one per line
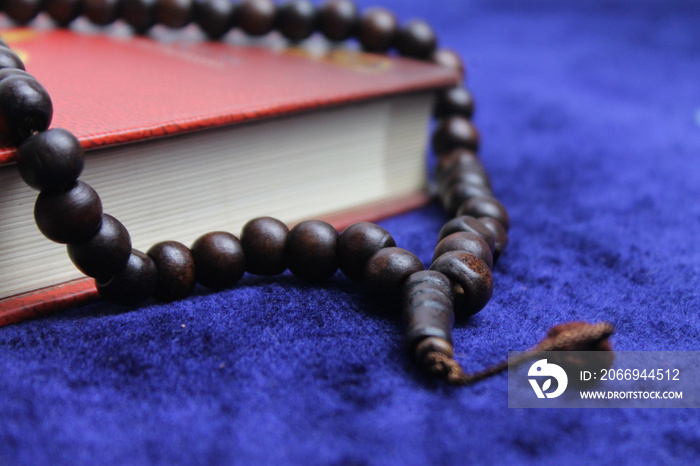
127 98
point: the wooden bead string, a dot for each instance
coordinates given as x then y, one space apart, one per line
69 211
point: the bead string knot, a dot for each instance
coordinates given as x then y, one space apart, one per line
573 336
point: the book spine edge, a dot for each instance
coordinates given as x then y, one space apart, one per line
45 301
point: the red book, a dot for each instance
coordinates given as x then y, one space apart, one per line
136 102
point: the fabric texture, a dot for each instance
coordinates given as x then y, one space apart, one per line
590 120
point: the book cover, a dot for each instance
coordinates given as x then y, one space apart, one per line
111 90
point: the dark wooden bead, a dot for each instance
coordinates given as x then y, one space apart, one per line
467 242
467 223
102 12
471 276
25 107
454 101
433 345
296 19
22 11
9 59
416 39
378 29
471 179
357 244
219 259
457 193
485 206
105 253
448 59
257 17
387 269
7 72
264 242
64 12
454 132
457 175
176 270
174 14
500 234
457 159
134 283
139 14
431 278
72 217
311 250
51 160
215 17
338 19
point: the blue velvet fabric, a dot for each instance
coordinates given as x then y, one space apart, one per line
590 114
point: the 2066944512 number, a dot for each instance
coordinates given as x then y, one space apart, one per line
644 374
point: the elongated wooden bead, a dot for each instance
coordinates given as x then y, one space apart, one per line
357 244
428 294
431 278
257 17
51 160
176 270
471 276
485 206
105 253
25 107
134 283
72 217
467 242
378 29
425 320
264 241
467 223
218 259
427 307
311 250
388 268
296 19
338 19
